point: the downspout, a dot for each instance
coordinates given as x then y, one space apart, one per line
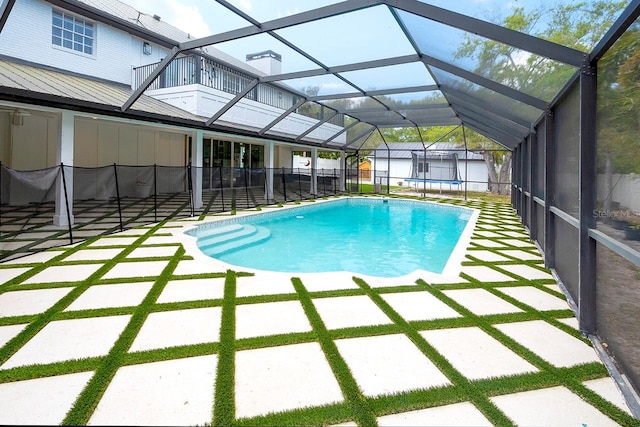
466 163
388 162
346 158
424 163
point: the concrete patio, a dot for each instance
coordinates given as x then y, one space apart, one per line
137 328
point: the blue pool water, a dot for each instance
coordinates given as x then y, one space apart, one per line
375 237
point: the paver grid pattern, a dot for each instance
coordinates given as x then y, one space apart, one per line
122 338
27 229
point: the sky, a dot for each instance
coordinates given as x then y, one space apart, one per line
205 17
202 17
333 41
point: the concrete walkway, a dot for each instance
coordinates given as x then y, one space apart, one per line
137 328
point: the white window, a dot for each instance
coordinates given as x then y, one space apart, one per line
72 32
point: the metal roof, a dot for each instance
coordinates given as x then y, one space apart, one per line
425 78
21 79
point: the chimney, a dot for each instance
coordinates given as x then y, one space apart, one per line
268 62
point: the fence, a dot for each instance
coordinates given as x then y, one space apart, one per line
115 198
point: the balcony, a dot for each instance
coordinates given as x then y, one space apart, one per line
203 86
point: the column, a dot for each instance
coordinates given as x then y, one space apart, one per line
549 191
196 167
314 171
533 169
63 215
270 165
341 181
588 190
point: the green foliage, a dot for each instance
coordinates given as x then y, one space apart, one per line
577 25
321 154
581 25
618 100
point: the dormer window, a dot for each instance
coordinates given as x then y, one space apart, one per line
72 32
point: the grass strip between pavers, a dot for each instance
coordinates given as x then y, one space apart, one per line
41 321
224 408
350 390
563 376
467 390
356 406
318 415
85 404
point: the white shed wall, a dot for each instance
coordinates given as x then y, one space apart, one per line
401 168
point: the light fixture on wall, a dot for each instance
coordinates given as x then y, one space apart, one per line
146 48
19 115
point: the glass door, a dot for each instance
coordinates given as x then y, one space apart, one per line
221 162
207 170
240 162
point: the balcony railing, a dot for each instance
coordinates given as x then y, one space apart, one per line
195 69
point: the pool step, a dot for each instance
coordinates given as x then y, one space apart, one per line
228 240
222 234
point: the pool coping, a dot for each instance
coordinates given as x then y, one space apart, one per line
451 270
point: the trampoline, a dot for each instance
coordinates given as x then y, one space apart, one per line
434 167
424 181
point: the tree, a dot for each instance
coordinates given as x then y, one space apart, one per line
618 112
497 159
578 25
321 154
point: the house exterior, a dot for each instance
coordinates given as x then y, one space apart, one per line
109 40
409 163
80 58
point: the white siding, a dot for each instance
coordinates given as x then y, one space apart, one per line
27 36
205 101
105 143
328 165
396 168
477 172
401 169
32 145
626 190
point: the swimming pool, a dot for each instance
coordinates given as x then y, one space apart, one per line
371 236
